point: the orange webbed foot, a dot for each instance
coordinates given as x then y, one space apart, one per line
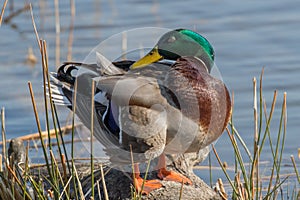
149 185
167 175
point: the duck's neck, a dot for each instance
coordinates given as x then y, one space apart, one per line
206 59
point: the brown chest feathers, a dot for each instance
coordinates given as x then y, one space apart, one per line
199 96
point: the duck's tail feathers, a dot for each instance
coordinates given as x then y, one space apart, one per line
62 84
58 91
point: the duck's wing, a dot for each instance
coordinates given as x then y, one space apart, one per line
141 116
114 126
132 90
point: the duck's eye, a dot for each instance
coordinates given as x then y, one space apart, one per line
171 39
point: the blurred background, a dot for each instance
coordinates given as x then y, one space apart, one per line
247 36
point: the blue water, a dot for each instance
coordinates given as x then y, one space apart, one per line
246 35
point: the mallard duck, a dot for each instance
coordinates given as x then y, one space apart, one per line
151 107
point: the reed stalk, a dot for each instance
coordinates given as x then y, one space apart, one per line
210 170
250 186
92 136
224 170
71 30
181 191
39 127
4 154
73 136
2 11
57 31
103 183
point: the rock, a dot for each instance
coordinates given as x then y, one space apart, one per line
16 151
120 186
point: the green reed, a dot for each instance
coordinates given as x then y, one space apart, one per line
250 186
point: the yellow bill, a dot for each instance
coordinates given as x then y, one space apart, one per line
151 57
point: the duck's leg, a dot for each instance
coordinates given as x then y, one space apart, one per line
167 175
149 185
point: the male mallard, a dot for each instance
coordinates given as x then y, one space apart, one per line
152 108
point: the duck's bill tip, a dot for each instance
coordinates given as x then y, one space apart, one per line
151 57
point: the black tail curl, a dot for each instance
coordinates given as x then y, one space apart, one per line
64 73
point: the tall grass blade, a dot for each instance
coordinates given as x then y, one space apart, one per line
210 170
57 31
224 170
3 132
104 184
70 39
73 136
44 65
2 11
92 141
284 119
34 28
240 139
241 162
268 122
39 127
260 104
295 168
62 139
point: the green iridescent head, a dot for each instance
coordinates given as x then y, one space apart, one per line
178 43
